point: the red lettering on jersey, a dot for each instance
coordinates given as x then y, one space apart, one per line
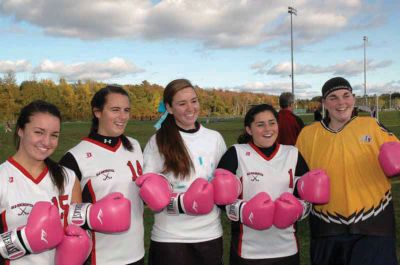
88 155
11 179
290 178
62 202
134 175
247 153
139 168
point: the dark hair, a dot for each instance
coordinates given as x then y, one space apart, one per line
99 100
245 138
286 99
169 141
57 173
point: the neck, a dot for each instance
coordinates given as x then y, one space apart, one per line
34 167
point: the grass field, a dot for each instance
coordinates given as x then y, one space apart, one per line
230 129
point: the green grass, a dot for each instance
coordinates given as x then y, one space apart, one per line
72 132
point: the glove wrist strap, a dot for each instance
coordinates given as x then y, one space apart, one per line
78 213
12 245
174 207
233 211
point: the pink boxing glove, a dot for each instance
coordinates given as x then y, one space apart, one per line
197 200
389 158
75 247
256 213
288 210
227 187
43 231
111 214
314 187
155 191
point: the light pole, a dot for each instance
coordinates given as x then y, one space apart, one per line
390 100
291 11
365 38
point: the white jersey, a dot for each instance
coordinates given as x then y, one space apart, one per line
205 148
105 169
274 175
19 191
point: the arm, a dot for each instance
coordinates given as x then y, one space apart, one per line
76 196
229 160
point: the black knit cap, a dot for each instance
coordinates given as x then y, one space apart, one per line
334 84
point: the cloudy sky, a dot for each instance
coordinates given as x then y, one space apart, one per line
228 44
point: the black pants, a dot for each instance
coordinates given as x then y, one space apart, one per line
353 250
202 253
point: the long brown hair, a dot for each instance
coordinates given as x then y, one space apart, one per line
169 141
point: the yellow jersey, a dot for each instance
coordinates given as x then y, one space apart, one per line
359 188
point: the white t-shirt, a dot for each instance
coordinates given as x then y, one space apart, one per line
104 170
19 191
205 148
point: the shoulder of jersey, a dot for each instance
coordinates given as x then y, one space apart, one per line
372 121
367 119
3 166
78 146
209 131
133 141
289 147
312 125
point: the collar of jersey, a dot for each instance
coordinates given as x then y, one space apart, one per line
109 143
266 153
325 125
196 129
26 173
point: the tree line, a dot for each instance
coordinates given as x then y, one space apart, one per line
74 99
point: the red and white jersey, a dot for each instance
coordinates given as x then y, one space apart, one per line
274 175
19 191
105 169
205 148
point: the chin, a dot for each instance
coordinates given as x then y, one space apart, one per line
41 157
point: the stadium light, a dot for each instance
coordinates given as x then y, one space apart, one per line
291 11
365 38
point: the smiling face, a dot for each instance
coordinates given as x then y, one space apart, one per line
114 116
264 129
340 105
39 137
185 107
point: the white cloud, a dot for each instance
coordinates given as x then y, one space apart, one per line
215 23
115 67
15 66
347 68
383 88
272 88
